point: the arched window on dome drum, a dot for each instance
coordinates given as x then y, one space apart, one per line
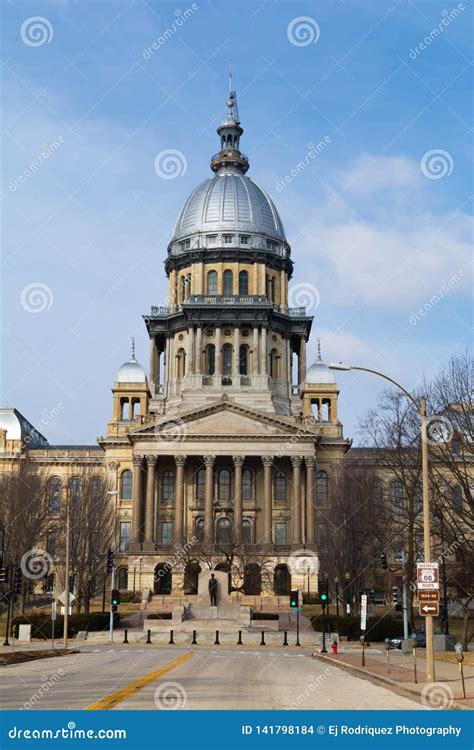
212 283
321 486
247 485
54 495
211 359
246 531
167 485
273 363
223 485
180 364
270 285
243 360
243 283
182 289
227 359
126 483
201 484
228 283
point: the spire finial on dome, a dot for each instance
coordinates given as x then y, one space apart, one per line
319 350
133 348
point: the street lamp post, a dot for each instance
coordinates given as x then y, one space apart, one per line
347 593
336 583
421 409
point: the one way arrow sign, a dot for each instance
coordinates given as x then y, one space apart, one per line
429 609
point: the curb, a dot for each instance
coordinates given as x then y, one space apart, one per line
380 678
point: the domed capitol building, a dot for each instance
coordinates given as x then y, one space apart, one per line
219 451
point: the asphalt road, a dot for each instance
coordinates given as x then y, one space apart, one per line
172 678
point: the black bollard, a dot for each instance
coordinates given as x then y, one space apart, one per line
217 642
285 638
262 639
239 642
125 636
194 641
171 641
148 638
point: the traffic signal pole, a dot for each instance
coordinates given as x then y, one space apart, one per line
111 621
10 573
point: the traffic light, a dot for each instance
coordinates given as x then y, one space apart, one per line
294 599
383 561
17 580
115 598
323 592
3 575
110 560
395 594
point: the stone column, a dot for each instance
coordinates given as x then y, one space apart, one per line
218 370
236 357
179 509
267 498
296 500
198 355
255 350
150 501
283 301
263 351
238 463
302 362
310 462
153 362
158 366
190 367
209 500
137 500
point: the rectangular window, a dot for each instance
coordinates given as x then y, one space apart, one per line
244 239
280 487
125 533
166 532
271 245
185 245
228 239
211 239
280 533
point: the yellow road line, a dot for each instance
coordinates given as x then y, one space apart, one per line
120 695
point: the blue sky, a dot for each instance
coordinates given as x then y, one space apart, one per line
379 221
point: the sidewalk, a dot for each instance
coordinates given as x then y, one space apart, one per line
445 692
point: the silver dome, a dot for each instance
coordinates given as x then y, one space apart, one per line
230 201
131 372
319 372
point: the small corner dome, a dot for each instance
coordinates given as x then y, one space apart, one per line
131 372
319 372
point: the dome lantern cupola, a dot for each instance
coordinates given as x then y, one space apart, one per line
229 133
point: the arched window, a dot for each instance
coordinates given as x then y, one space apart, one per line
200 529
224 531
378 495
187 290
123 578
228 283
201 484
252 580
243 360
167 485
397 496
227 359
180 364
243 283
126 485
457 499
54 495
281 580
223 484
211 359
97 489
321 486
273 363
270 284
75 492
247 485
246 531
212 282
280 487
182 289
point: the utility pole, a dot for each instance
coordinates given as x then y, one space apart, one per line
66 574
112 586
405 595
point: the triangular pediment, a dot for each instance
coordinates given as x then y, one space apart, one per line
223 418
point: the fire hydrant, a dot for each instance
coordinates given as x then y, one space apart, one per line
334 647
